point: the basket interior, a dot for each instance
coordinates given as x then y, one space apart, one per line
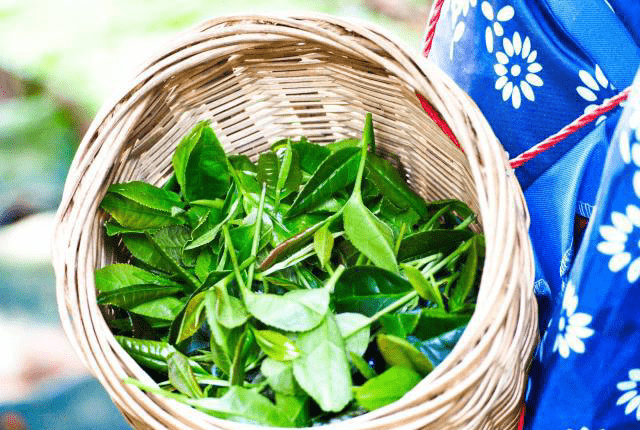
255 95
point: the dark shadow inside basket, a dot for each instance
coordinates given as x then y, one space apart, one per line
289 89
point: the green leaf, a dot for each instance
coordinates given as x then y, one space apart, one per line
367 290
323 244
268 170
166 308
437 348
181 376
336 172
132 215
295 407
210 230
277 346
355 330
431 242
362 366
230 311
280 376
218 341
152 354
242 163
393 186
369 235
399 352
116 276
200 164
342 144
142 249
386 388
459 207
299 310
285 168
467 277
193 317
205 264
434 322
425 288
130 297
323 369
147 195
311 155
400 324
244 406
112 228
172 240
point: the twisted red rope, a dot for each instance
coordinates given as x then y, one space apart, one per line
569 129
431 28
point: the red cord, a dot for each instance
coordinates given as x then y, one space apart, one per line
435 116
431 29
576 125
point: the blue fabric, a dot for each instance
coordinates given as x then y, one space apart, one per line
533 66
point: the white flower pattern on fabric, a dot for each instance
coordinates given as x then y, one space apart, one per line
616 239
630 396
495 26
517 70
572 325
595 89
581 428
458 8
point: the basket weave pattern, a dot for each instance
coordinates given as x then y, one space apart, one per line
258 79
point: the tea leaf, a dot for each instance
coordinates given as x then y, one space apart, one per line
132 215
437 348
280 376
147 195
193 317
166 308
431 242
323 369
355 330
400 324
423 286
393 186
277 346
323 244
200 164
130 297
386 388
467 277
367 290
399 352
336 172
299 310
116 276
181 375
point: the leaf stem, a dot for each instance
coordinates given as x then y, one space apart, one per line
257 234
367 137
434 219
234 257
403 229
375 317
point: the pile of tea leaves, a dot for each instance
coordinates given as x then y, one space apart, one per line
309 287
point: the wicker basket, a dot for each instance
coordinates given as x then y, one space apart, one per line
262 78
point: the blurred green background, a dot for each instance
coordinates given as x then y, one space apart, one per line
59 61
